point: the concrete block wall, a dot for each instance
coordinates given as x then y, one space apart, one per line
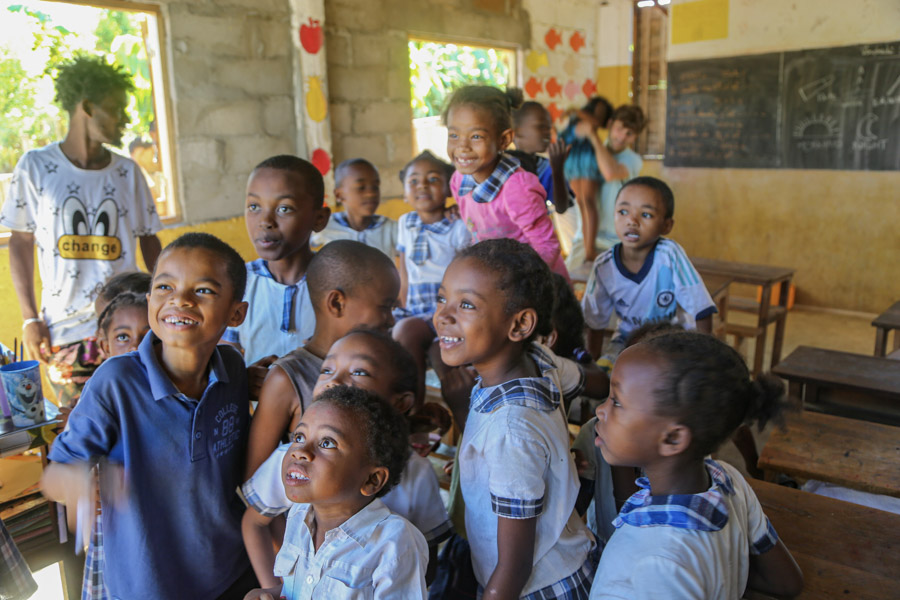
231 76
368 68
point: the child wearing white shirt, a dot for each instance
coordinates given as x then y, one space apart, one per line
341 541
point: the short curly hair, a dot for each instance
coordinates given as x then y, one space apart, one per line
89 77
386 435
522 276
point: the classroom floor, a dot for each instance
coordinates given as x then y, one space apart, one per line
850 332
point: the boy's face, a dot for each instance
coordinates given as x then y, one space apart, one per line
425 187
360 191
471 320
620 137
628 429
370 305
533 132
327 463
108 118
360 361
126 329
640 217
279 214
191 299
472 142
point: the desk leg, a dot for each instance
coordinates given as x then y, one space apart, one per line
881 334
780 324
760 351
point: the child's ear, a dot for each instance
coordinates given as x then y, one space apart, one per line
523 325
376 480
104 345
238 314
322 218
403 401
676 439
335 303
506 138
667 227
338 196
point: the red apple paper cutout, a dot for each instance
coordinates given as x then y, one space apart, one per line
555 112
552 38
311 36
553 87
533 87
589 88
321 161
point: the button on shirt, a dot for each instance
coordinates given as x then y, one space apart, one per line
279 319
178 533
373 554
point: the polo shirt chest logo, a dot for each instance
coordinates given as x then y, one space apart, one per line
226 431
86 239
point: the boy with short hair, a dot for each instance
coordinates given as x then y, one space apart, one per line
645 277
284 207
174 416
617 163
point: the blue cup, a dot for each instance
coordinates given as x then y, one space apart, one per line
22 384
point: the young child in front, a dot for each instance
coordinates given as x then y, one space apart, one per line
426 242
351 285
517 476
617 163
341 541
532 129
645 277
284 207
372 360
497 198
174 417
695 529
357 187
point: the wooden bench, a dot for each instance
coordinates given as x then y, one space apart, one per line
845 550
844 384
886 322
855 454
766 277
718 288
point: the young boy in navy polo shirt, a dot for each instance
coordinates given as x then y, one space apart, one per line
170 421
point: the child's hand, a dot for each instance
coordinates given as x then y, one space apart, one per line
584 129
273 593
451 213
437 417
36 339
559 150
256 374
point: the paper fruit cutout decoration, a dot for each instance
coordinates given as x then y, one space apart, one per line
316 104
321 161
553 88
570 65
535 60
552 38
555 112
589 88
311 36
571 89
533 87
576 41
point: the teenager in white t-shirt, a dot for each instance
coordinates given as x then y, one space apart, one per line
83 206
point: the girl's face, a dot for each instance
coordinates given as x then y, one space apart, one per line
359 360
471 320
533 132
473 143
425 188
126 329
629 431
360 191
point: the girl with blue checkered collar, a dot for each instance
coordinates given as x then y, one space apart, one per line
695 529
516 473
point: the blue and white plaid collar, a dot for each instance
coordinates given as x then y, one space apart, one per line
540 393
706 511
488 189
420 245
341 219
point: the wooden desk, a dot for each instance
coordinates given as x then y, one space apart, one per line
855 454
766 277
844 550
717 286
884 323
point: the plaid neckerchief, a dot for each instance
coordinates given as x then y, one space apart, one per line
420 246
706 511
341 219
488 189
261 268
540 393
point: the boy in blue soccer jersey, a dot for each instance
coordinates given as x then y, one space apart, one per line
645 277
171 418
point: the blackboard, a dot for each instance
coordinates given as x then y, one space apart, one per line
830 108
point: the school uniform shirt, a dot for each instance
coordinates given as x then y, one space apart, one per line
374 554
690 546
177 531
427 251
667 288
515 463
85 224
279 318
510 203
381 233
416 497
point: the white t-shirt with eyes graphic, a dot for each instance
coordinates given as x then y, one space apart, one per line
85 225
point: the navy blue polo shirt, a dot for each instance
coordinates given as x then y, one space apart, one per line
179 535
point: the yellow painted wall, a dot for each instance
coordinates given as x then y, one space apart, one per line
614 83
